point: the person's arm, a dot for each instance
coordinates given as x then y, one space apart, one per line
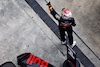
73 22
53 12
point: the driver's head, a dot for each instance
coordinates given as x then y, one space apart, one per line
66 13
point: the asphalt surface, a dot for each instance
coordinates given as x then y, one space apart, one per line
21 30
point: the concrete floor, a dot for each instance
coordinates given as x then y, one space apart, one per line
21 30
20 33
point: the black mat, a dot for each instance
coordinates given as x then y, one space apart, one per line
53 26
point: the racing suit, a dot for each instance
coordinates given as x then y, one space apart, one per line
64 25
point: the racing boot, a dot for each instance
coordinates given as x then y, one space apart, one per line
74 43
63 42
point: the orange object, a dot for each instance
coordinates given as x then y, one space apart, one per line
64 25
50 5
51 9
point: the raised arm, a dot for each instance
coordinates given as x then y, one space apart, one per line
53 12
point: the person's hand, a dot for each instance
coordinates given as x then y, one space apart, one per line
49 3
74 25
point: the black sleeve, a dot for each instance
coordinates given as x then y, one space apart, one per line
53 12
73 22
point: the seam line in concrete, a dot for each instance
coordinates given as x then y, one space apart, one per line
85 44
52 27
44 32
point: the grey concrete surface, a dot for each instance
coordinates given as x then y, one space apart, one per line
20 33
21 30
86 14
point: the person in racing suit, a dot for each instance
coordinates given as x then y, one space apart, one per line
66 21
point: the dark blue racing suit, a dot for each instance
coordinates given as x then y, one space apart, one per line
64 25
